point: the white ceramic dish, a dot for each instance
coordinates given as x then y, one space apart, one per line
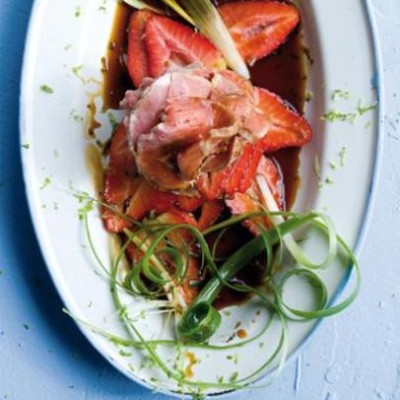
65 44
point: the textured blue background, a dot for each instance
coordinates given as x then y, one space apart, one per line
355 355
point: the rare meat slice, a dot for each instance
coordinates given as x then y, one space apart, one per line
199 132
147 104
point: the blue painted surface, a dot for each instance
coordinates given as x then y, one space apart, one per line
355 355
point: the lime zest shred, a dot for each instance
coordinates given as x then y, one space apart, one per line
317 166
363 109
335 115
342 156
45 88
340 94
46 183
78 11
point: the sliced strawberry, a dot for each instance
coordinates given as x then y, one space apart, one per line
119 181
236 177
271 171
113 222
259 27
243 171
171 43
210 212
137 61
288 127
252 201
210 186
121 169
178 237
242 203
133 253
182 238
147 198
187 203
229 83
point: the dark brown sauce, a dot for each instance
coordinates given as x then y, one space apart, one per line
91 123
283 73
116 80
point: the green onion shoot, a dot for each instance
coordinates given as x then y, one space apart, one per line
151 277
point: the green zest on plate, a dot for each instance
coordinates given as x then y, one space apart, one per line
46 89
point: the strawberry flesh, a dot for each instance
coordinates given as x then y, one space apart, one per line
252 200
259 27
210 212
137 60
288 128
181 239
121 168
119 183
148 199
170 43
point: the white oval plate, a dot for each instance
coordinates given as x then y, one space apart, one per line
65 44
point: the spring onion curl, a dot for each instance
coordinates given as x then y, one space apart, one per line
178 376
154 239
201 320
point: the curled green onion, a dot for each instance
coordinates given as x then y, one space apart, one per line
229 270
200 323
200 320
317 286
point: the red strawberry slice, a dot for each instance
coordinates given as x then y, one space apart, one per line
271 171
171 43
288 128
147 198
210 212
246 203
113 222
259 27
243 170
137 63
209 185
181 238
120 170
119 182
236 177
252 201
178 237
130 194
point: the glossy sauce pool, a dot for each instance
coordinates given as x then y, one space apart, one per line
283 73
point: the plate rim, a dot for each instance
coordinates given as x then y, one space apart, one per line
370 200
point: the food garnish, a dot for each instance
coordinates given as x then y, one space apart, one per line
192 189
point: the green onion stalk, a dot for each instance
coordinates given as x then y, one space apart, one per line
199 321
